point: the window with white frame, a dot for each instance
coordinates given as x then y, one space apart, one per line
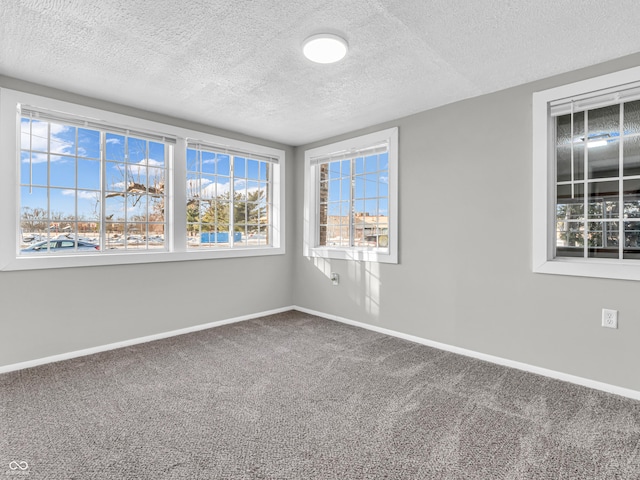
91 184
587 177
229 198
351 198
92 187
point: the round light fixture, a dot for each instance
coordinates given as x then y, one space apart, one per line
324 48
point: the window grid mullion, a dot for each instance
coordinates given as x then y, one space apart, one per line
76 191
573 193
621 229
103 189
48 226
585 228
352 240
232 200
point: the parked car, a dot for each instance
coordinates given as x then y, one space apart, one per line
60 246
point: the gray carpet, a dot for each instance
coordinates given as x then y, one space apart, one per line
293 396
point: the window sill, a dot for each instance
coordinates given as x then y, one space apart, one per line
90 260
360 255
597 268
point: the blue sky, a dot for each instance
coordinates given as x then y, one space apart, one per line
57 151
371 185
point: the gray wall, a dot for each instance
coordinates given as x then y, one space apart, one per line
464 278
49 312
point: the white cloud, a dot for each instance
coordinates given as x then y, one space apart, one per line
83 195
114 141
140 167
209 190
39 138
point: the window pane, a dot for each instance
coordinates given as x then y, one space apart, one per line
207 188
114 147
155 180
631 240
193 160
156 208
89 174
632 198
253 169
156 154
603 239
89 205
334 190
137 151
37 136
603 200
632 156
62 171
114 231
239 167
208 162
136 177
359 187
62 205
114 208
569 239
632 117
223 165
115 177
322 241
570 211
371 163
604 158
564 145
602 141
34 169
62 139
89 143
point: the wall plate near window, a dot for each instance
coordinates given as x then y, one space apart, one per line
586 177
351 199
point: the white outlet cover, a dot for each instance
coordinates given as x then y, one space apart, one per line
609 318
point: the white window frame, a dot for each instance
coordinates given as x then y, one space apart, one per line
175 236
615 87
312 195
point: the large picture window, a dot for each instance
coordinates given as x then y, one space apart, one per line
84 186
89 186
350 198
587 177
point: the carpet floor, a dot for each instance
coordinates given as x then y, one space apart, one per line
294 396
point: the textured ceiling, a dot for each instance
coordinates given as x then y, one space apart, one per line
238 64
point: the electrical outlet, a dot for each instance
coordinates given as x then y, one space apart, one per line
609 318
335 278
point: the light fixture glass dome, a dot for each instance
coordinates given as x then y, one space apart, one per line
324 48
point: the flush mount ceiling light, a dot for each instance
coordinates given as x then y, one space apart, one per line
324 48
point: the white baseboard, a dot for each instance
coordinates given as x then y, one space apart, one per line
585 382
135 341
